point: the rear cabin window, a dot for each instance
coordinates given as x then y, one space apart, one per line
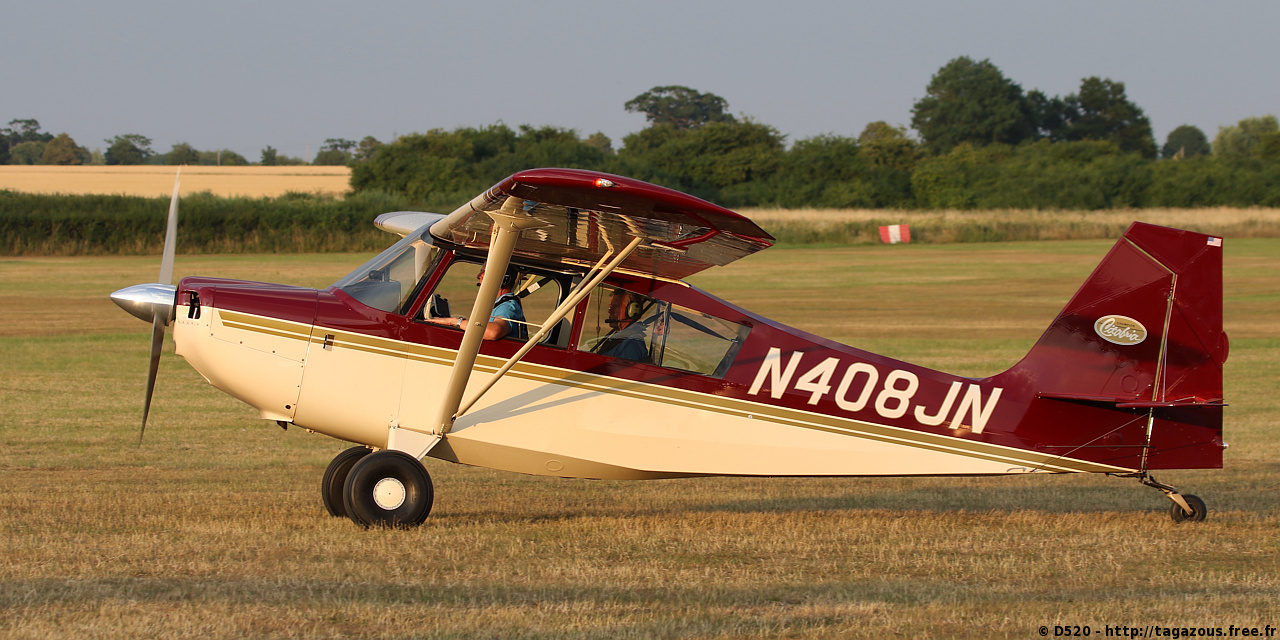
629 326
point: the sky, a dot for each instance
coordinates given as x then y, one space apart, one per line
242 75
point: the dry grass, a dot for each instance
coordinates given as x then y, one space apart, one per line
146 180
859 225
214 529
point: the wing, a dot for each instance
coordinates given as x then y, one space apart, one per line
585 214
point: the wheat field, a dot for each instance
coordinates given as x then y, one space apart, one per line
148 180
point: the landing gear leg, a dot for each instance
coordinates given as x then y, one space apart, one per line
1185 508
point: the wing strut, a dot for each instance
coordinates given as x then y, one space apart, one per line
579 292
508 221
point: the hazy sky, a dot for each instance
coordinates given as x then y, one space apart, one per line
246 74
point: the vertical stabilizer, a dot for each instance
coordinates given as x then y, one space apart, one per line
1132 366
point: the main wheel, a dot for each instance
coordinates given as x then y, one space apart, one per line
335 479
388 489
1198 510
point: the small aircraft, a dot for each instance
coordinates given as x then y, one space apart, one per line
627 372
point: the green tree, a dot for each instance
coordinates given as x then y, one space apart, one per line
599 140
880 131
18 132
63 150
824 171
1048 114
269 156
26 152
1082 174
182 153
366 149
130 148
335 152
1100 111
892 156
1268 148
222 157
680 107
440 169
1186 141
972 102
729 162
1242 139
25 131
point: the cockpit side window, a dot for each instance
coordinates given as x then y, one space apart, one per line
386 282
623 324
534 292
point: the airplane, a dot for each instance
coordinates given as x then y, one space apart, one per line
628 372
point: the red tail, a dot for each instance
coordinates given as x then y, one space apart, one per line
1130 373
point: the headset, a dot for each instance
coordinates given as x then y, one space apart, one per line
634 308
509 279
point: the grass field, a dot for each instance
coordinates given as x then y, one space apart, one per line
147 180
214 527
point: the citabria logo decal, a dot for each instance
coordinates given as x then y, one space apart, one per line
1120 330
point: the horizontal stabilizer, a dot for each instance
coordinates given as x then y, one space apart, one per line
1127 403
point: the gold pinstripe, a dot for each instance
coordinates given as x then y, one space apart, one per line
673 396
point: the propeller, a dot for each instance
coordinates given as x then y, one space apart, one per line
155 302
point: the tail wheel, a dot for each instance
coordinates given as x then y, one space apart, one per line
335 479
388 489
1197 513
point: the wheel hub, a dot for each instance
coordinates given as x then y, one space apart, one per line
389 494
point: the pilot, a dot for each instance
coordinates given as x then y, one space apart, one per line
507 317
627 340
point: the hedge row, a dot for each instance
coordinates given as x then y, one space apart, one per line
32 224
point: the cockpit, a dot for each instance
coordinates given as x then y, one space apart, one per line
613 322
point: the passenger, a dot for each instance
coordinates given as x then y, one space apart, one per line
507 317
627 340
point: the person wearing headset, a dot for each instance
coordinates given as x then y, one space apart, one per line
507 317
627 340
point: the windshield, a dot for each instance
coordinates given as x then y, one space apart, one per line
386 281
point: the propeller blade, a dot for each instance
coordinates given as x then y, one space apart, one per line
170 234
157 343
160 316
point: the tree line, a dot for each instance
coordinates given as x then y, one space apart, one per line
977 140
23 142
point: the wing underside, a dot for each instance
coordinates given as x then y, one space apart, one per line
585 215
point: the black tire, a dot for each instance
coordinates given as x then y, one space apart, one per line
335 480
1198 510
388 489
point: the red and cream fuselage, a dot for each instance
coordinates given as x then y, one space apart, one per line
1126 380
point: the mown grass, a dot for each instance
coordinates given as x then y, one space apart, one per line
214 529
